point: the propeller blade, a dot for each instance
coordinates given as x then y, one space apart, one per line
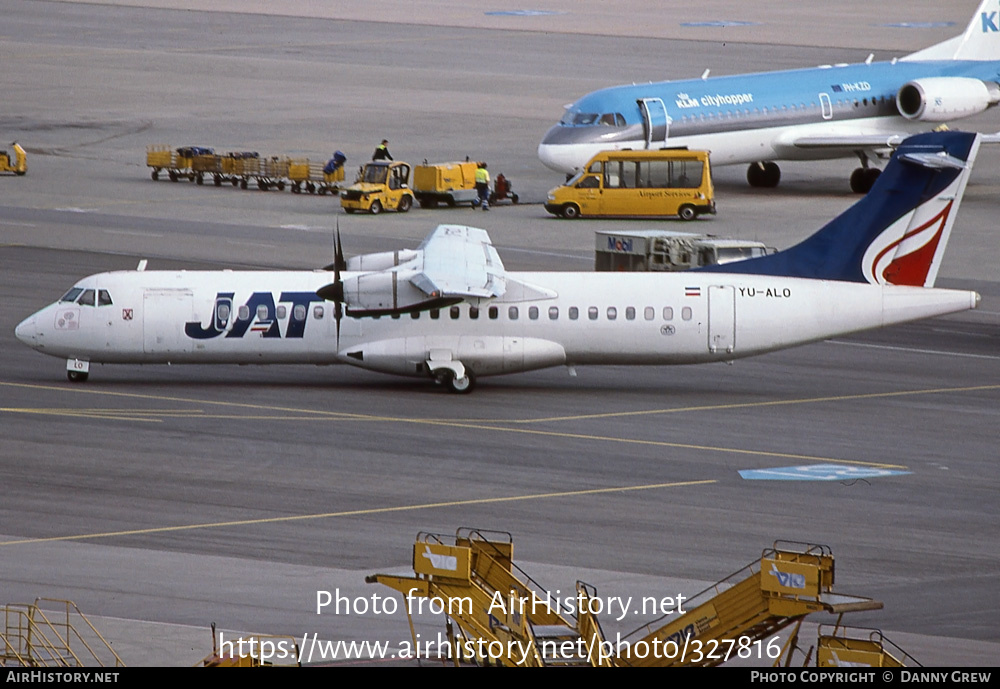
339 262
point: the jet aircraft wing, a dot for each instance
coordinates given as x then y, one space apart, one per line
850 142
868 141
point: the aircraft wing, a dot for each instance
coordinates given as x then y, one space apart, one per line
460 261
850 142
887 141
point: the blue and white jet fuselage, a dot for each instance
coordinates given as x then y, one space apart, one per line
806 114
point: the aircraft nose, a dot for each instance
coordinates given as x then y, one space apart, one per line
26 331
553 157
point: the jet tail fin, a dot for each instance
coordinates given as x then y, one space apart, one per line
981 40
896 234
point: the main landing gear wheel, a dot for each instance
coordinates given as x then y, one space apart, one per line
765 175
77 376
460 386
863 179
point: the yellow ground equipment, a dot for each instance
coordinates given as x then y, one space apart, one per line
382 185
178 163
52 633
638 183
20 165
857 647
314 177
472 574
448 183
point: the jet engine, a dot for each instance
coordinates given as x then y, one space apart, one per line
942 99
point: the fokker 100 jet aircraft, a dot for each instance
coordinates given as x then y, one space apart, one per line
835 111
449 311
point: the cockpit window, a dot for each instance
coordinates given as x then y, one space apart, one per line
579 118
103 298
87 298
72 294
582 119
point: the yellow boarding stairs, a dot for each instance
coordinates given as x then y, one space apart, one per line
473 579
857 647
494 604
64 637
790 581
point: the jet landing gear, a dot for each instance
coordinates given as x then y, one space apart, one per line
452 374
765 175
863 178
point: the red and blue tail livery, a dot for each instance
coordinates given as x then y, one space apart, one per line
897 234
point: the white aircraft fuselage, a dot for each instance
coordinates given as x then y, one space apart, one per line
450 311
592 318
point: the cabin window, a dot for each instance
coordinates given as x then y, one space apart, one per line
282 312
630 313
262 312
299 312
473 312
103 298
494 313
453 312
317 311
686 313
244 312
72 294
512 313
222 312
649 313
574 313
87 298
553 313
592 313
533 313
668 313
612 313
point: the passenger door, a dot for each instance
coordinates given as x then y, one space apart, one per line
721 318
656 122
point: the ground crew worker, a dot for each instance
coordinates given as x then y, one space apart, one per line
382 151
483 186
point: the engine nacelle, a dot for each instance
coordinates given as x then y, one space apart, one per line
381 261
383 292
942 99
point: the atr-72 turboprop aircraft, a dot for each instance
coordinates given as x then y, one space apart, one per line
449 311
834 111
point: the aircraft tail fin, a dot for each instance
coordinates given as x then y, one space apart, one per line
981 40
898 232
